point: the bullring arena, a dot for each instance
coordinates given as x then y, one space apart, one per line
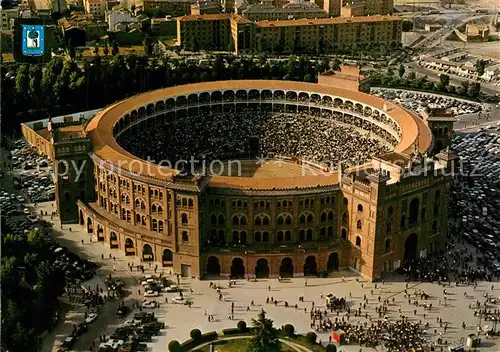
289 212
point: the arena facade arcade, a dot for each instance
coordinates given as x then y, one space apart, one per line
369 218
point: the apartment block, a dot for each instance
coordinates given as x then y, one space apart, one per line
96 8
289 36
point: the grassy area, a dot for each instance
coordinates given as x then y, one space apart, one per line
234 346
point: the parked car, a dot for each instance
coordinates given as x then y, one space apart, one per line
91 317
151 293
149 304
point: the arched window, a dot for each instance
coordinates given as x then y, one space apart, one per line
346 201
358 241
359 224
265 236
265 220
184 202
184 219
309 235
360 208
344 218
330 215
302 219
281 220
262 219
236 220
414 208
243 220
190 202
302 235
434 226
153 208
310 218
155 225
388 245
160 226
258 221
258 236
323 217
213 219
159 209
279 236
288 220
185 236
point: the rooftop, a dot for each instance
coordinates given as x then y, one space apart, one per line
326 21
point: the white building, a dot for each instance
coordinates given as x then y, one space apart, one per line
115 17
492 73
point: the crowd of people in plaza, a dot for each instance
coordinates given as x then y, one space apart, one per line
321 139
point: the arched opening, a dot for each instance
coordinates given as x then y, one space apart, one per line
100 233
357 266
81 219
113 240
129 247
343 234
411 244
388 245
310 267
237 268
262 269
414 207
167 256
286 267
147 253
333 262
213 266
90 229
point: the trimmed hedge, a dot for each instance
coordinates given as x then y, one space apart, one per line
174 346
231 331
242 326
195 334
289 330
311 337
331 348
209 336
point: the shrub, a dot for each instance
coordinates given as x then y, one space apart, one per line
331 348
195 334
209 336
174 346
289 329
242 326
311 337
231 331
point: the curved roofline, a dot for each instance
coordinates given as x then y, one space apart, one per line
105 147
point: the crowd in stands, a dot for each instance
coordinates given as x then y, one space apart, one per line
319 138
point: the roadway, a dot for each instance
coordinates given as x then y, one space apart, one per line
433 76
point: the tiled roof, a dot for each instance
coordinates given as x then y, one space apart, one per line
106 148
326 21
207 17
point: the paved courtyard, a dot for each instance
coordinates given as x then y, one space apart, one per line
180 319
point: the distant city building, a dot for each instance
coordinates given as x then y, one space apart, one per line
205 7
165 6
352 10
293 10
477 33
228 6
8 17
59 6
286 36
373 7
115 17
96 8
80 28
332 7
432 27
164 27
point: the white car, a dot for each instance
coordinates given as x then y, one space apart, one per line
173 288
149 304
151 293
180 300
91 317
20 199
26 211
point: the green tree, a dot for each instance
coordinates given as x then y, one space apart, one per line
115 48
71 49
444 80
265 336
411 76
148 45
407 26
401 71
105 50
474 90
480 66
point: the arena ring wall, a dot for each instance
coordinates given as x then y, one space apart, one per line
292 225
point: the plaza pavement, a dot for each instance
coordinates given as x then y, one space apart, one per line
180 319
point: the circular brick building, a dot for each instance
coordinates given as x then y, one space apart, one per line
276 220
